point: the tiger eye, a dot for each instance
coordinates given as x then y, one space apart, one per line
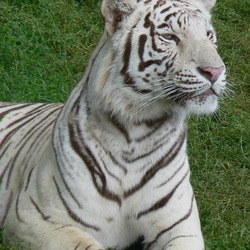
170 37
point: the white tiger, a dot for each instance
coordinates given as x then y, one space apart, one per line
113 167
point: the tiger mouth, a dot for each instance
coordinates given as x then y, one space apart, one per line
207 93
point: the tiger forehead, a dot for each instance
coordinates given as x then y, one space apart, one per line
160 3
162 7
166 14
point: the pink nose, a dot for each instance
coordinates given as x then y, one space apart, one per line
212 74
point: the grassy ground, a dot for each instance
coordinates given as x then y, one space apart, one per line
44 47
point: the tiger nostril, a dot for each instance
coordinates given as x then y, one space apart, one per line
212 74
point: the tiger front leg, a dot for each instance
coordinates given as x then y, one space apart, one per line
39 234
183 232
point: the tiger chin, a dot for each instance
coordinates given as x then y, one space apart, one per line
110 165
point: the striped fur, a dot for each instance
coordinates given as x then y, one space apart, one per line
110 166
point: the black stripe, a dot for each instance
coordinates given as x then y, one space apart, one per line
28 180
43 109
38 124
179 20
30 114
139 157
91 163
9 135
62 227
186 216
6 166
157 124
162 26
163 201
170 16
141 91
88 247
141 48
111 174
147 21
112 158
178 237
16 208
77 246
166 9
68 189
117 163
14 109
44 132
120 127
71 213
14 159
63 161
153 35
163 162
7 207
159 4
39 108
142 41
44 217
21 125
173 175
46 135
126 59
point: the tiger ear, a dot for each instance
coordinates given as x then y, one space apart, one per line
114 12
208 4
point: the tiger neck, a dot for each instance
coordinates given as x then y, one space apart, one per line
93 105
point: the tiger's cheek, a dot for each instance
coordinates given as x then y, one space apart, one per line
151 59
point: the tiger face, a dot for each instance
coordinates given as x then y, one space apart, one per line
166 52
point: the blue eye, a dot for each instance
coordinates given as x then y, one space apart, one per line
211 36
169 37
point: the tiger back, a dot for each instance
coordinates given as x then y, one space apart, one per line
19 125
110 166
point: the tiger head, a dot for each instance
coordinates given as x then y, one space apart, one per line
164 55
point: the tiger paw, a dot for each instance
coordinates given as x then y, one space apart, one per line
77 239
90 247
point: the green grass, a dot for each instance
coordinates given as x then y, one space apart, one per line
44 47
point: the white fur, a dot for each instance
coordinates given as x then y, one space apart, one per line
117 167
